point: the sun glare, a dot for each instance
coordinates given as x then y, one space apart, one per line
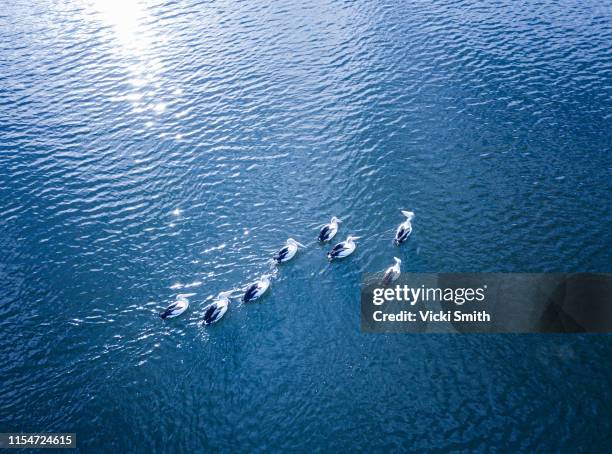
128 18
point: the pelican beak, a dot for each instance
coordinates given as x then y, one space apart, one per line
299 244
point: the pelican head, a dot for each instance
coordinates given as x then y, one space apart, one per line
335 220
226 294
409 214
397 261
296 243
352 238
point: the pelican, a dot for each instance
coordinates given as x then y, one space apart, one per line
392 272
343 249
256 289
287 252
405 228
328 231
175 309
217 309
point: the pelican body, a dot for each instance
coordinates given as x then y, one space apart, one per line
175 309
392 272
328 231
217 309
287 252
405 228
256 289
343 249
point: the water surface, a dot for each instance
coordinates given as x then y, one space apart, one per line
154 149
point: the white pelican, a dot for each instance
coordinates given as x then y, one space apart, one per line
328 231
256 289
217 309
343 249
175 309
392 272
405 228
287 252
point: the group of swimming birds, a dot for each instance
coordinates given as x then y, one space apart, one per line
217 309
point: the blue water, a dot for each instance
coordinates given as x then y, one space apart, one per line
154 149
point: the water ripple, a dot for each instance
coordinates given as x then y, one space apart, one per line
152 149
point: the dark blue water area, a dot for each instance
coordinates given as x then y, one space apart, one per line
150 150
